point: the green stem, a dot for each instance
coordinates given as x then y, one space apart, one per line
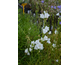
44 22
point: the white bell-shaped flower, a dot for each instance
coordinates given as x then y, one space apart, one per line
28 53
49 32
56 32
54 45
45 37
30 49
40 46
46 15
57 60
26 50
42 39
47 28
36 48
44 31
42 16
37 41
48 41
57 14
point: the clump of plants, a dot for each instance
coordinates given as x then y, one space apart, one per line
37 44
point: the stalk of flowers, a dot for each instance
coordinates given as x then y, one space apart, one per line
52 7
44 17
44 37
37 45
34 45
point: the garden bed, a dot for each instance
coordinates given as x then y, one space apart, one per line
39 36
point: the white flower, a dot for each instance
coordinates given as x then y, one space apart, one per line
54 45
30 49
42 39
46 15
26 50
48 38
48 41
44 12
31 46
32 42
44 31
40 46
49 32
37 41
57 60
28 11
56 32
34 14
57 14
45 37
42 16
46 28
28 53
36 48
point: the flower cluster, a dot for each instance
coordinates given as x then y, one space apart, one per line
26 51
46 39
52 40
45 30
37 45
45 15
